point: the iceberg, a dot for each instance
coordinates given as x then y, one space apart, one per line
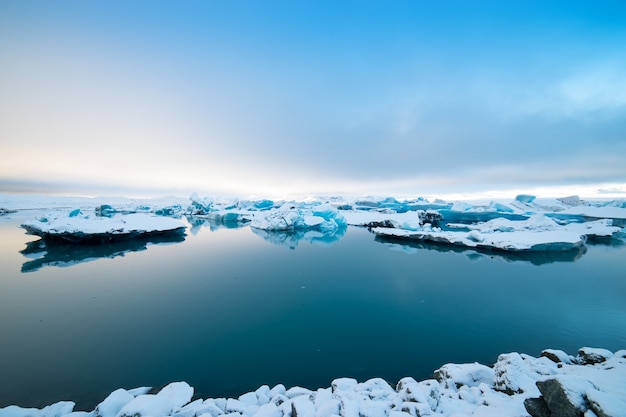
593 383
291 217
82 228
537 233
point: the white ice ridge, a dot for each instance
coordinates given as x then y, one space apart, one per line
591 384
77 226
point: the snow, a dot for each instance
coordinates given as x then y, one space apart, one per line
459 390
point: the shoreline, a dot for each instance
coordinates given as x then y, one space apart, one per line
592 383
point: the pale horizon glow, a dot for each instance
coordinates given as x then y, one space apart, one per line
284 99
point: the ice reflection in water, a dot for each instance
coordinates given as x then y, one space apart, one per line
62 253
475 255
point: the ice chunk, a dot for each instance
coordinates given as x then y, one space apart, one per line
525 198
290 218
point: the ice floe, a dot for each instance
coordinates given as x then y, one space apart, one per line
77 227
592 383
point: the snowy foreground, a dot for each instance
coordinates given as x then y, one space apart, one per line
524 224
556 384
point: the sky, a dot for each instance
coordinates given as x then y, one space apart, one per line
277 98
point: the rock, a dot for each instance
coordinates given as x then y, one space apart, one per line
343 384
263 394
302 407
328 408
249 398
432 391
192 409
511 374
113 403
348 407
268 410
412 394
369 408
604 405
590 356
470 374
565 395
416 409
277 390
537 407
233 405
557 356
168 400
322 396
298 392
404 382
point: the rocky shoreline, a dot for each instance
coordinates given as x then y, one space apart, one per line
592 383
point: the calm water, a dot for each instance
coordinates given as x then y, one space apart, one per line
227 311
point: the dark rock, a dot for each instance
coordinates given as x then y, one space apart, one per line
591 356
432 217
384 223
560 404
537 407
556 356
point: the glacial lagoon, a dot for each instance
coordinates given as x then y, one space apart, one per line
228 310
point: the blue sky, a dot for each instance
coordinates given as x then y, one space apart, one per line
304 97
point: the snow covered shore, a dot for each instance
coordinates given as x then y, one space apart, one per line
593 383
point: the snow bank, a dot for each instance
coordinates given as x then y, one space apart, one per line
517 385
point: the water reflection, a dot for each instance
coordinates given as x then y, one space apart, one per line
291 239
213 223
64 253
476 255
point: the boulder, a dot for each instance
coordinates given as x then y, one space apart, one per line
557 356
512 375
591 356
565 395
537 407
113 403
470 374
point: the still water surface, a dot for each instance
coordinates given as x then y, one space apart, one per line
227 311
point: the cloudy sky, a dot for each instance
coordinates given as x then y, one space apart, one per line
304 97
